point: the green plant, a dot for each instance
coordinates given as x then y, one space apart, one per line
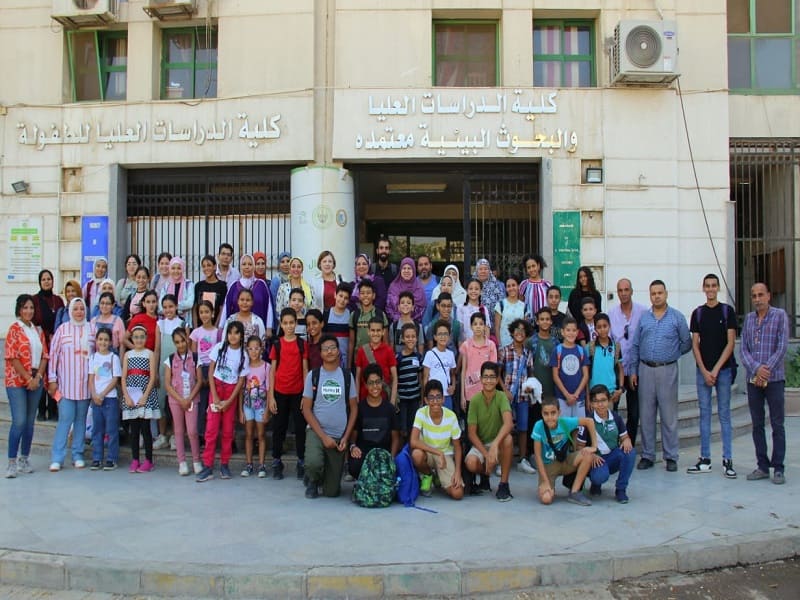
792 362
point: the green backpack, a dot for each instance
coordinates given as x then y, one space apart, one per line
377 480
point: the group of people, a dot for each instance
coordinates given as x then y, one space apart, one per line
397 355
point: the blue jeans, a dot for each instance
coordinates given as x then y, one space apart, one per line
23 404
772 395
723 387
71 413
617 460
105 421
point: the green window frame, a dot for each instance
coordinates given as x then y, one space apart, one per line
98 65
763 61
189 63
451 65
554 65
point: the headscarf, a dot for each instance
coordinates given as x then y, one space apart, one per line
459 294
492 290
177 283
303 282
104 281
400 285
84 325
247 282
93 293
284 277
46 293
97 261
256 256
46 306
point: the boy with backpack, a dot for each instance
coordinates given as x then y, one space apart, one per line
444 306
409 376
289 358
570 364
330 407
377 351
360 318
405 308
336 321
440 363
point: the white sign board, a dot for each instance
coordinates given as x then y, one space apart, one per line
24 258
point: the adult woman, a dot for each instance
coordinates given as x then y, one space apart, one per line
284 258
324 286
127 285
295 281
106 287
161 278
72 289
406 281
261 265
26 362
181 288
584 288
68 375
211 289
91 291
362 272
262 299
46 305
533 290
493 290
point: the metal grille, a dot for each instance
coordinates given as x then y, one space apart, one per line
763 184
503 222
189 212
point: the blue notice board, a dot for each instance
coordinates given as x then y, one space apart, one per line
94 244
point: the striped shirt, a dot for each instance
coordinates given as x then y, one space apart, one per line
535 295
764 343
439 436
661 340
69 362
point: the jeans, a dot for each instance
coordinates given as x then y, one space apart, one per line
617 460
723 387
71 413
773 396
105 422
23 404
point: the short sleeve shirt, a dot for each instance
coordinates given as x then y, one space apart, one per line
560 436
570 369
441 435
105 367
374 425
228 370
488 417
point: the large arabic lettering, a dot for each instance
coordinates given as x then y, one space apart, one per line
161 131
465 143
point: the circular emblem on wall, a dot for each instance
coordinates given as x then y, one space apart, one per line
322 217
341 217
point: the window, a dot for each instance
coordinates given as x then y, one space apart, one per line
764 46
189 63
465 53
563 54
98 64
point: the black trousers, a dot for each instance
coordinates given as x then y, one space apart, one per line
288 406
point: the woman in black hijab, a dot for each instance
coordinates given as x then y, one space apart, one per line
45 307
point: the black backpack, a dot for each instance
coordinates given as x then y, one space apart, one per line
315 385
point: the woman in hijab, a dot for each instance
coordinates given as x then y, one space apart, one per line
181 288
406 281
363 263
262 299
493 291
284 258
458 292
46 305
106 287
261 265
91 291
295 280
68 382
72 289
127 285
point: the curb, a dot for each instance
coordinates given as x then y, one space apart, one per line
443 579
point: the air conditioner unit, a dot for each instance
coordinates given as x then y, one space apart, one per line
74 14
170 9
645 52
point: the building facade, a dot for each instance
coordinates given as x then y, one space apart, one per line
639 137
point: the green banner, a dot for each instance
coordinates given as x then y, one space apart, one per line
566 249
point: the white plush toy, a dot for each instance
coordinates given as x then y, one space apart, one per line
534 387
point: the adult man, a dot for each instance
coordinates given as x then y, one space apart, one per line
489 424
658 342
764 337
225 271
624 321
426 276
382 267
713 327
330 421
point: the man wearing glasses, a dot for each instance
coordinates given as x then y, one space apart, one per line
624 321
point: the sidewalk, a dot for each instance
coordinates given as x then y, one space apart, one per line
163 534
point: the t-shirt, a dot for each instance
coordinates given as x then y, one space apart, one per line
408 383
339 327
473 357
213 292
384 356
254 325
509 312
396 337
604 362
330 405
105 367
488 417
359 321
205 340
439 365
228 370
374 426
570 368
541 363
560 436
455 334
289 369
439 436
255 387
712 325
610 431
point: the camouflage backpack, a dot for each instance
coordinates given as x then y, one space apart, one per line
376 483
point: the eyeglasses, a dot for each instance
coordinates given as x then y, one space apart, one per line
328 348
374 382
489 377
435 398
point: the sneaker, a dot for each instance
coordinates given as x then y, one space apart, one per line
277 469
183 469
11 471
503 493
110 466
727 469
205 475
145 467
23 466
645 463
134 466
348 477
224 472
595 490
301 468
425 485
498 471
757 474
579 498
79 464
172 444
96 465
525 466
312 491
160 442
485 485
247 471
778 478
621 497
197 467
55 467
703 466
672 465
262 471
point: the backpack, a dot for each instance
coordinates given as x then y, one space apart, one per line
376 484
315 385
560 348
725 312
407 480
277 346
